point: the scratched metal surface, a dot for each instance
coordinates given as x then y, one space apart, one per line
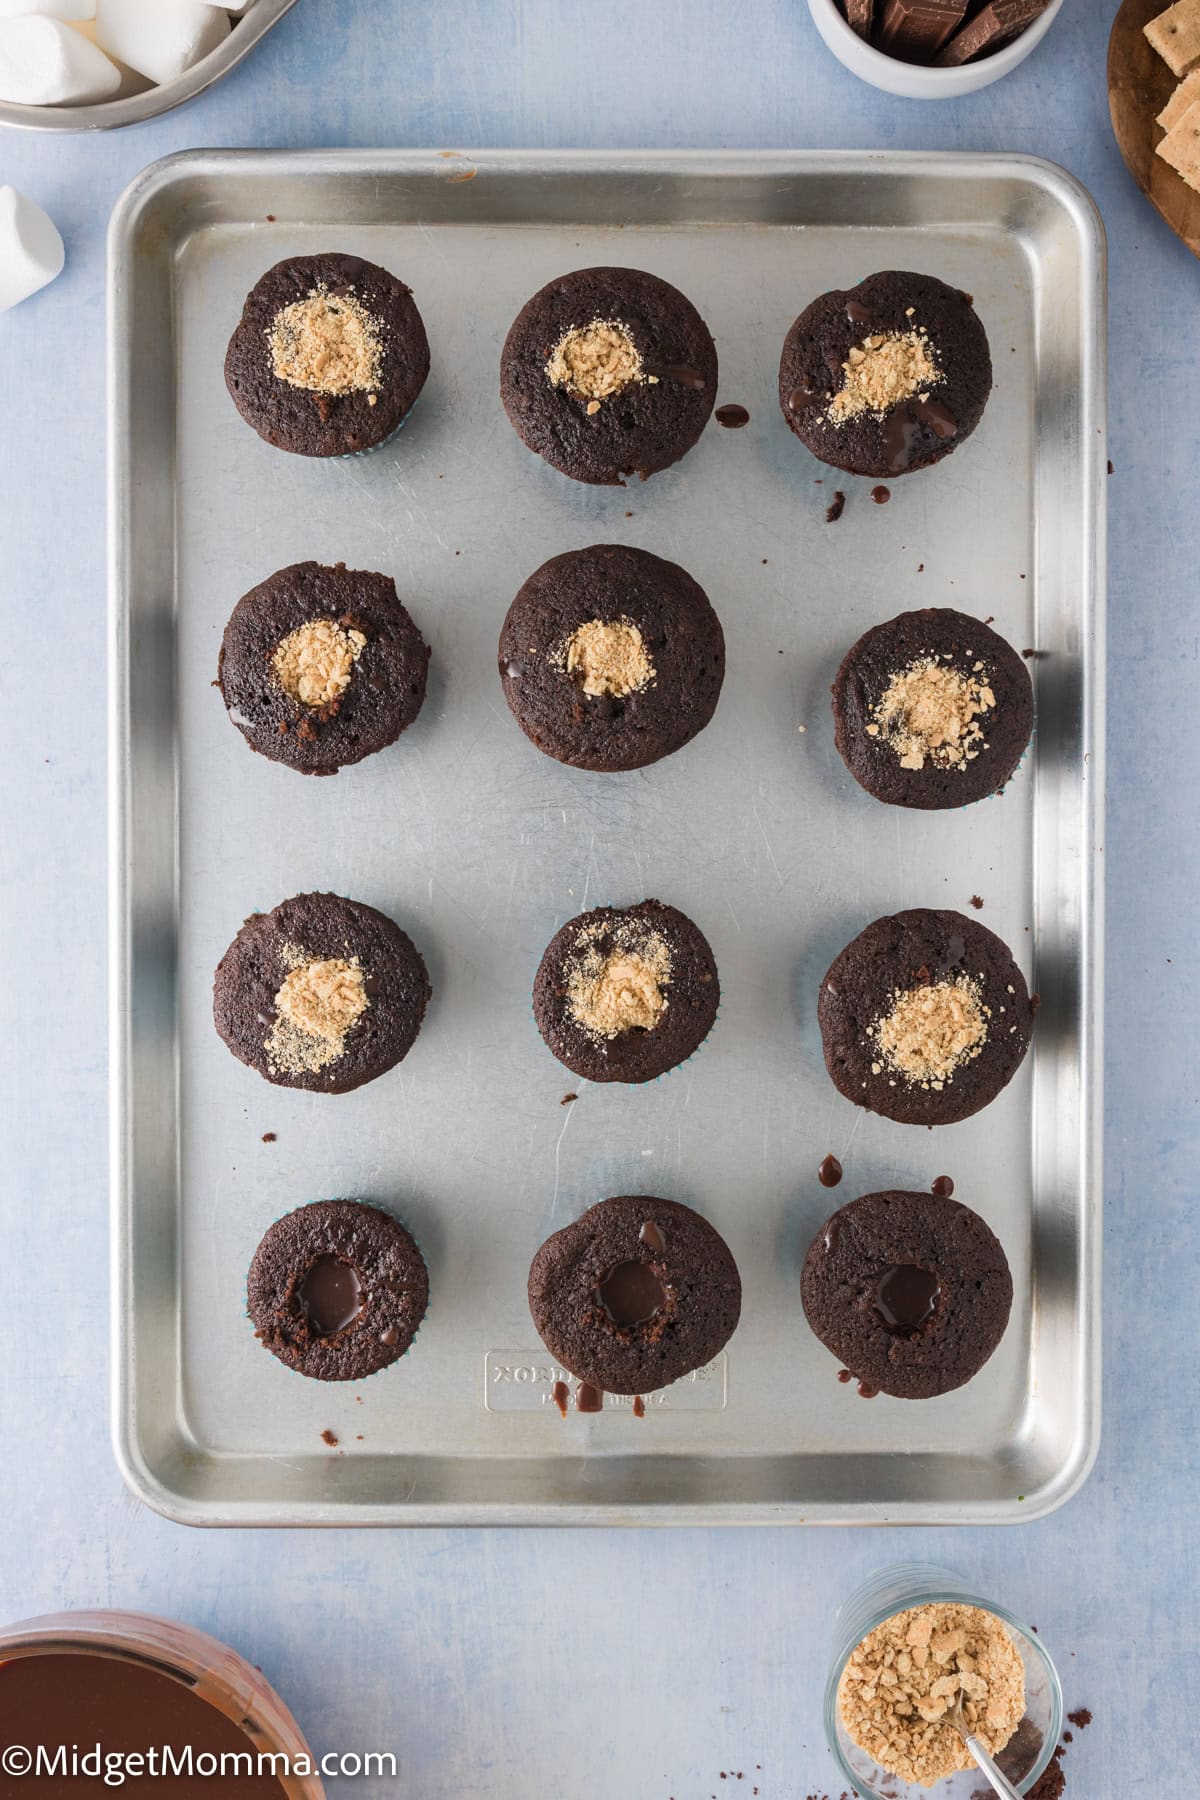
481 848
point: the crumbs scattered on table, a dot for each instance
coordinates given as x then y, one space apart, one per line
567 1099
1031 655
271 221
1111 470
329 1437
920 568
977 902
268 1137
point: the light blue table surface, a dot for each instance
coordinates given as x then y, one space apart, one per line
632 1664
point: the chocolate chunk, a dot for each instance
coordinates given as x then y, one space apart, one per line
995 26
916 29
860 16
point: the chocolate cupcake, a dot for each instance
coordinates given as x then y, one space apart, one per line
924 1017
635 1294
624 994
328 356
911 1292
322 993
337 1290
608 373
320 666
932 709
886 377
611 658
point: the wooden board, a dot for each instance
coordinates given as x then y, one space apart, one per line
1139 86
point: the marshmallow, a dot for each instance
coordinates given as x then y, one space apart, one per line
44 63
48 9
31 251
160 38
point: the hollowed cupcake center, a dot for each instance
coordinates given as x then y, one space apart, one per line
931 712
595 361
630 1295
622 987
314 663
330 1295
931 1031
328 343
608 658
906 1296
315 1006
883 371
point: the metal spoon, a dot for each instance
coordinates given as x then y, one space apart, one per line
1000 1783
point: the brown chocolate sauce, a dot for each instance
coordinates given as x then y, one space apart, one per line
830 1171
881 495
857 313
906 1296
683 373
801 398
652 1237
80 1699
560 1393
867 1392
589 1399
390 1336
639 1407
836 507
630 1294
733 417
845 1375
943 1186
330 1295
940 420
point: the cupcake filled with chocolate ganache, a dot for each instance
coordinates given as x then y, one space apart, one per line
321 993
924 1017
611 658
932 709
337 1290
911 1292
886 377
328 357
635 1294
320 666
624 994
608 373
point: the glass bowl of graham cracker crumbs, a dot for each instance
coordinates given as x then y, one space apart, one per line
905 1645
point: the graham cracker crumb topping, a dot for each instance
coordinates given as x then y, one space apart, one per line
931 712
595 361
608 658
315 1007
328 343
931 1031
314 663
907 1674
622 987
883 371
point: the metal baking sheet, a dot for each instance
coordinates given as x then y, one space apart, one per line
481 847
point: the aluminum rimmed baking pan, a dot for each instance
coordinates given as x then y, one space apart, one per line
480 847
152 99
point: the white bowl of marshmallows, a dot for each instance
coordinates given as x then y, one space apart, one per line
72 65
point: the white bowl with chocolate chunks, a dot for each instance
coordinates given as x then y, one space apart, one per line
932 49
